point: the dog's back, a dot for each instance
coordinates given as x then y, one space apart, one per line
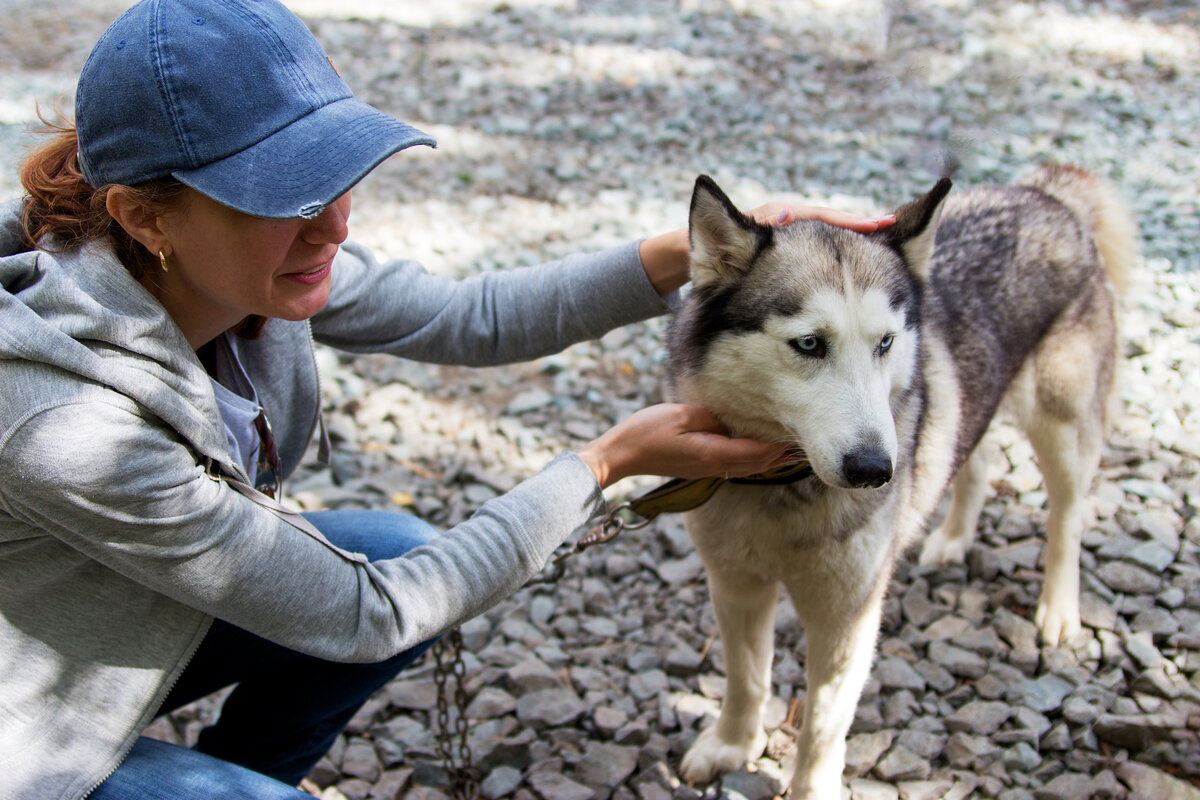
1013 263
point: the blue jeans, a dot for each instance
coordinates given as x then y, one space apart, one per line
287 708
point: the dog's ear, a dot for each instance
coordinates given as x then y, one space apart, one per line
723 240
915 226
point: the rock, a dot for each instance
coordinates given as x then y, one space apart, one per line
490 702
1146 781
979 717
865 749
606 765
1133 732
741 785
1128 578
500 782
531 675
902 764
872 790
894 672
1047 693
360 761
554 786
549 708
959 662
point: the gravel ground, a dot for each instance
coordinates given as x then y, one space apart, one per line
567 125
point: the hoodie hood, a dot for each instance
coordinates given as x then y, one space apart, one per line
81 312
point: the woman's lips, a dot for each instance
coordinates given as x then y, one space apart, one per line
312 276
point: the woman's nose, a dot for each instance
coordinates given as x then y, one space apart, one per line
331 225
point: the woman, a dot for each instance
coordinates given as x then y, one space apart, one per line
179 251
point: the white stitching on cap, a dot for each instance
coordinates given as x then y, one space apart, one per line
310 210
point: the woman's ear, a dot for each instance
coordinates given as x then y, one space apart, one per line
136 218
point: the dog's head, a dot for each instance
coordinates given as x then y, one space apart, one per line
806 334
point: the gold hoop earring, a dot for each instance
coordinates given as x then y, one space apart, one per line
162 259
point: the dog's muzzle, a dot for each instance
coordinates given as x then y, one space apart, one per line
866 469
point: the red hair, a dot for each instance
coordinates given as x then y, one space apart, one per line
62 204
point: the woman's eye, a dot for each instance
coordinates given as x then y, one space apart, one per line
809 346
885 343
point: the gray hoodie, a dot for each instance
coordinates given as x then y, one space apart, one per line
122 536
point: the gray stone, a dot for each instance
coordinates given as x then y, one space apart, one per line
608 720
360 761
1019 632
645 685
924 790
490 702
958 661
681 571
1046 694
742 785
965 751
555 786
419 694
501 782
606 765
917 606
1133 732
861 789
549 708
864 750
894 672
902 764
1123 577
1146 781
924 743
1067 786
1021 757
979 717
531 675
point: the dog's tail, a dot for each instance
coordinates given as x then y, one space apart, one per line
1101 210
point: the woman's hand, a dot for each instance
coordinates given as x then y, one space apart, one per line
665 257
677 441
782 214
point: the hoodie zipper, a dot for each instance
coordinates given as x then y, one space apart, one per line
319 418
126 750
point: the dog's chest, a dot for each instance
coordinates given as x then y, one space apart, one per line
764 531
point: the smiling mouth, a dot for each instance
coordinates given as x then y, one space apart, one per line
311 276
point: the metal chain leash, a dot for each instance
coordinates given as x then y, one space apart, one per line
672 497
464 783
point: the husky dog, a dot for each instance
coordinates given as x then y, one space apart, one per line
883 358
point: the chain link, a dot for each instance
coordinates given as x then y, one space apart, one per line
464 784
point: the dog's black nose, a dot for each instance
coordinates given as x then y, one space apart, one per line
866 469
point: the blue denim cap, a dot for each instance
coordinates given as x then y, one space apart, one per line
234 98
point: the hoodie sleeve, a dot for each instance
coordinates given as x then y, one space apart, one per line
123 491
487 319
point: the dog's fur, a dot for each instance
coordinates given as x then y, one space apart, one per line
883 358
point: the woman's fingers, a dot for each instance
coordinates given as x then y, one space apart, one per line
783 214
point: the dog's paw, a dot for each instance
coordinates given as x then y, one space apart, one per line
1058 622
709 756
941 550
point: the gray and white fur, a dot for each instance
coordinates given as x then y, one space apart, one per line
883 358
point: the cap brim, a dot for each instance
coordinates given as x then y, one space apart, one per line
301 169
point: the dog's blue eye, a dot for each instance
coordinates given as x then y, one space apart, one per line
809 346
885 343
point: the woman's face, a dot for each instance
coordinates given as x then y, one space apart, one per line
225 265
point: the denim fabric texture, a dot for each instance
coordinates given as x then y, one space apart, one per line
287 707
237 100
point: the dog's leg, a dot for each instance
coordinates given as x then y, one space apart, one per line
745 611
840 651
1068 455
948 544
